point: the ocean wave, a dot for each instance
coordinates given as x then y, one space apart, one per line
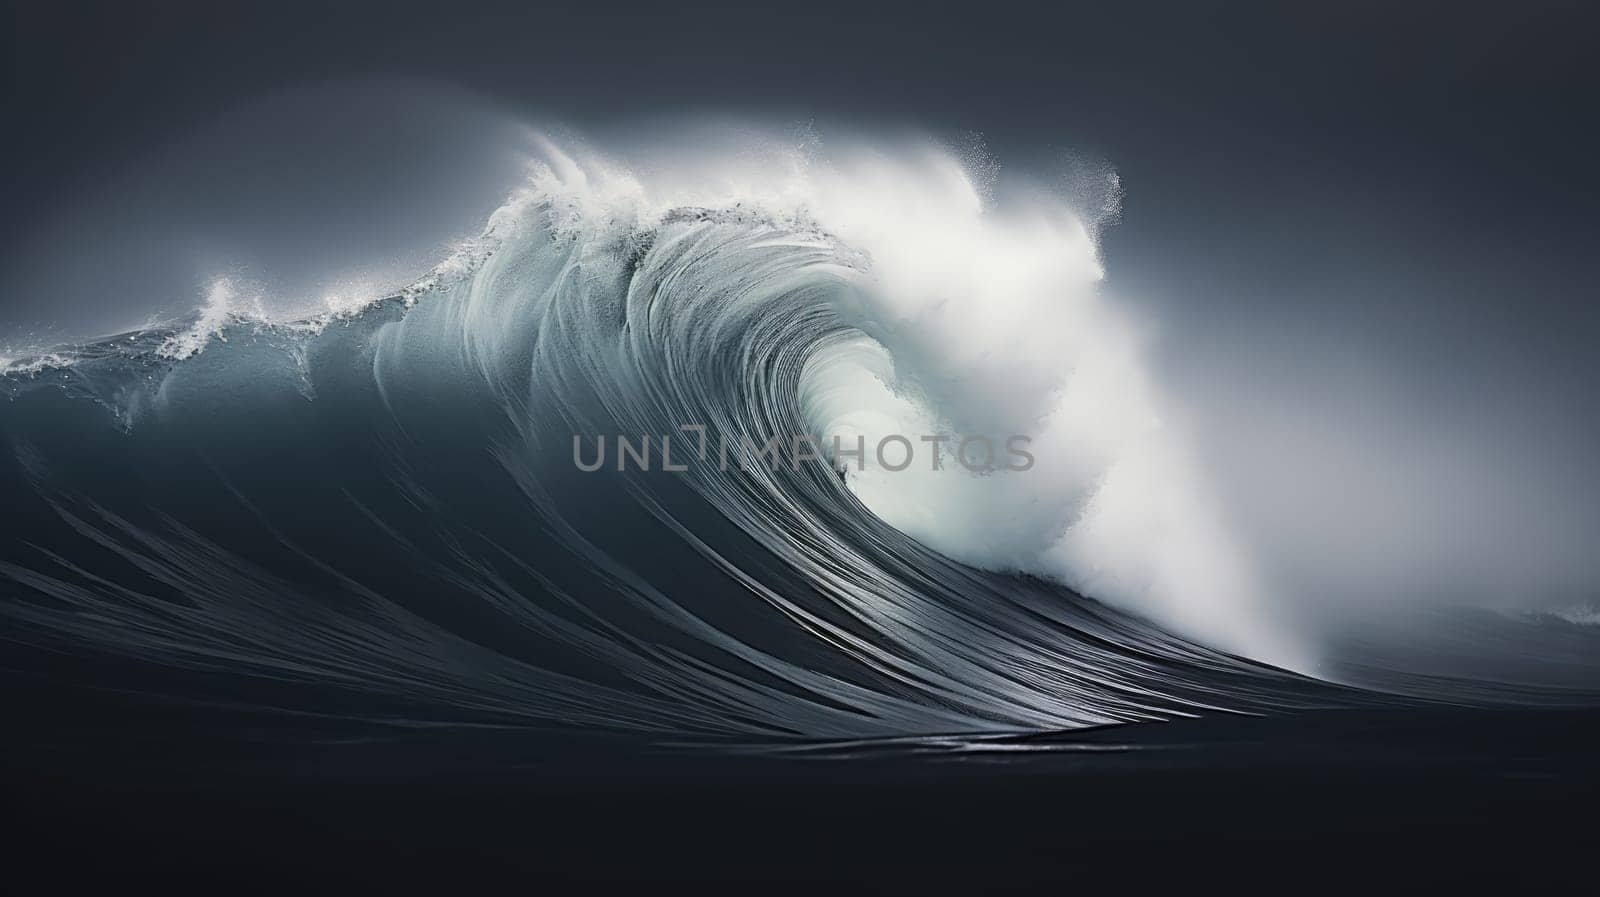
380 502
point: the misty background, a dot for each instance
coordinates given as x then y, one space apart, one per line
1365 235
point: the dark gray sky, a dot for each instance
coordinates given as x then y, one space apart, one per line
1367 230
1448 143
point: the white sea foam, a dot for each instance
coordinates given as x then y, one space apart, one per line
976 317
220 307
30 365
1578 614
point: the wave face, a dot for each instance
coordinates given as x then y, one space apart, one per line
381 507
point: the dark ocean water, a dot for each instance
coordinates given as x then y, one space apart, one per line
103 792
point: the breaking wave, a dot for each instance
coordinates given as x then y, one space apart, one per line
381 503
